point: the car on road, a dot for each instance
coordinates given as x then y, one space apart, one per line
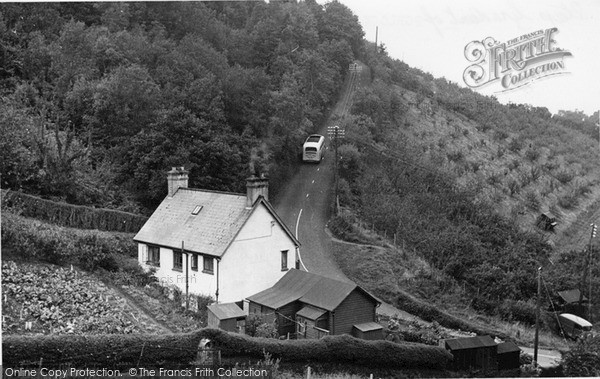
313 148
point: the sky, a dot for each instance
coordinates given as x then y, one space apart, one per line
432 35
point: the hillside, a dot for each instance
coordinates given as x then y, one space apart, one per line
460 180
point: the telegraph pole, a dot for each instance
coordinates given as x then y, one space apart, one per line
537 316
592 235
335 132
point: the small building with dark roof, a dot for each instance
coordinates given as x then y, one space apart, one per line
479 353
571 301
308 305
227 316
509 356
368 331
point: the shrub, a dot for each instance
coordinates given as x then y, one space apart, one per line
568 200
69 215
532 154
564 176
532 200
58 245
107 351
518 311
515 145
342 349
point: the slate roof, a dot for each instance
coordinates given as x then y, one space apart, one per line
226 311
470 342
316 290
209 232
571 296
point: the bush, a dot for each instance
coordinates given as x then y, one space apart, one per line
431 313
584 358
58 245
518 311
104 351
568 200
532 200
342 349
73 216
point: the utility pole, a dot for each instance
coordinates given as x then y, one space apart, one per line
592 235
537 316
187 297
335 132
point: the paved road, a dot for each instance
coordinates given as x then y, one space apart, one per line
304 205
546 358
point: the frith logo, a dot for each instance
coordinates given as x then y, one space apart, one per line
515 63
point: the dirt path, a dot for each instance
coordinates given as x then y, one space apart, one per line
156 326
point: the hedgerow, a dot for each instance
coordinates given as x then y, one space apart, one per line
88 249
332 349
70 215
175 349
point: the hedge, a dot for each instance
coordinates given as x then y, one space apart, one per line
341 349
70 215
431 313
177 349
108 350
59 245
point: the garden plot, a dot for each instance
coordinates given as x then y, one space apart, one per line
46 299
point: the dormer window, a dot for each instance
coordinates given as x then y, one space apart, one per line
197 210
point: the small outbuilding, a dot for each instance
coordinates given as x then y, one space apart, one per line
227 316
478 353
368 331
509 356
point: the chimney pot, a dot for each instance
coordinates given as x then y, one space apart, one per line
255 187
177 178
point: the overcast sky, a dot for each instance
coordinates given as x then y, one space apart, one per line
432 35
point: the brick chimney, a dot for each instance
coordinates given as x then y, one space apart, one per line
255 187
177 178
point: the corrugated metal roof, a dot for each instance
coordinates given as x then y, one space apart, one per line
470 342
571 296
210 232
309 288
368 326
311 313
226 311
507 347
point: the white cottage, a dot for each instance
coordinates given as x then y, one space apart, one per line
225 245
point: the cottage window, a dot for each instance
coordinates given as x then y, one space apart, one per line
177 260
284 260
153 256
194 263
208 265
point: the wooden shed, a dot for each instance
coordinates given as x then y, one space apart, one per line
368 331
509 356
227 316
308 305
478 353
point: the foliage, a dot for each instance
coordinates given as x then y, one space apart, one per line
103 350
583 359
69 215
256 326
91 249
99 100
60 301
342 349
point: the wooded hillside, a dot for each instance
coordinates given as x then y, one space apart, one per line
98 100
